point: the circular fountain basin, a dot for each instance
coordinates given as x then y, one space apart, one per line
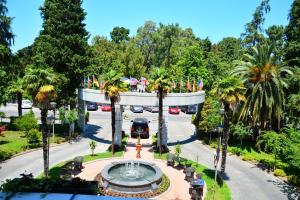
131 176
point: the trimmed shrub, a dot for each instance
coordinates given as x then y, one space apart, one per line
247 158
26 122
33 138
295 180
279 172
236 150
4 155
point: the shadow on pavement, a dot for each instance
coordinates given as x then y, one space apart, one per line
291 192
188 140
91 131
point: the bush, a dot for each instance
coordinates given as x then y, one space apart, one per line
247 158
236 150
4 155
28 184
33 138
295 180
279 172
269 162
26 122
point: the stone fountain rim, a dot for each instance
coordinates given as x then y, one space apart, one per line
158 174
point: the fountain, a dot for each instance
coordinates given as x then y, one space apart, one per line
131 176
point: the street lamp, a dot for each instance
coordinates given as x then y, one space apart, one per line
53 107
49 122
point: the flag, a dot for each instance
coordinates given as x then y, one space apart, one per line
188 85
95 81
89 83
200 85
174 85
194 86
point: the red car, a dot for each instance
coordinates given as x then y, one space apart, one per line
174 110
105 107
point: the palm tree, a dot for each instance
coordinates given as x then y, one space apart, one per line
45 94
38 83
16 88
230 92
35 77
161 83
112 88
263 76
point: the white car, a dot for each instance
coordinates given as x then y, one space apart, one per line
26 104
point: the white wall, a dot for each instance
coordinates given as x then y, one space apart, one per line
144 99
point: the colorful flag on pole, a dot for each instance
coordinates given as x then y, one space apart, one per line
188 85
95 82
89 83
194 86
200 85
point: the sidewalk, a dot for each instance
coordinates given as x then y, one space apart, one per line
179 188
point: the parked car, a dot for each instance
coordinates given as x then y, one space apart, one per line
106 107
26 104
140 127
91 106
189 109
136 109
174 110
153 109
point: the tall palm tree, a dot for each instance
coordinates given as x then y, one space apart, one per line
38 83
230 91
16 88
161 83
45 94
112 88
264 78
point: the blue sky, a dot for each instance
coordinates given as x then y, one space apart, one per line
214 19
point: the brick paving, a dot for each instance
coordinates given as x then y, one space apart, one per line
179 188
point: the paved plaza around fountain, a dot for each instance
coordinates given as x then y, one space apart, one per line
179 188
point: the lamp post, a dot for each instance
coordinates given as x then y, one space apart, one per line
53 107
220 131
49 122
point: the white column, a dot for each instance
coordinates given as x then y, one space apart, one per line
81 111
118 126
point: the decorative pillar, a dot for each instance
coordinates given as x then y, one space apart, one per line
165 131
118 126
81 110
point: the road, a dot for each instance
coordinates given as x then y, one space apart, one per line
245 180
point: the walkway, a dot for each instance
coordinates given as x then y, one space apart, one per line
179 188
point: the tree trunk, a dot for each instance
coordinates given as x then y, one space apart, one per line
19 99
225 140
113 128
45 141
160 119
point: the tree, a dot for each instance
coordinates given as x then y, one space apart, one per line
263 76
112 88
272 142
254 29
210 116
240 131
119 34
92 146
45 94
16 88
62 44
161 83
292 48
6 39
145 40
229 49
229 91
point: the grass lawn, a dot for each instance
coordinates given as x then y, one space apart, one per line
248 153
12 142
59 169
214 190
